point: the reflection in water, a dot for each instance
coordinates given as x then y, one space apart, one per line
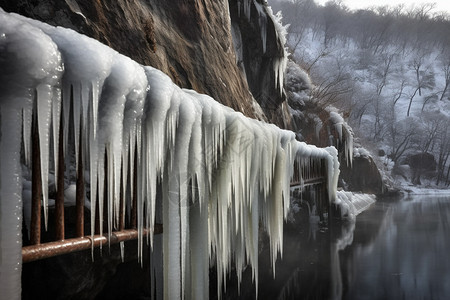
407 259
308 270
396 250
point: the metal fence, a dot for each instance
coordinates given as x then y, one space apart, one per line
57 241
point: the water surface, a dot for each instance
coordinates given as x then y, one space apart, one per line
397 249
400 250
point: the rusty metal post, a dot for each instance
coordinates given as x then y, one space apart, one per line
80 185
105 194
97 211
59 201
36 181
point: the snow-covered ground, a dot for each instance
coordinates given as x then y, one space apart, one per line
425 189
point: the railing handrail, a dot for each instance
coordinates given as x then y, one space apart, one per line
50 249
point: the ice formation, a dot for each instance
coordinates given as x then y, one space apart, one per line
345 135
352 204
264 11
221 174
281 61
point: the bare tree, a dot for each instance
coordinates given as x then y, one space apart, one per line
333 13
445 59
399 94
336 85
433 124
402 137
411 97
417 64
300 14
443 154
382 75
424 76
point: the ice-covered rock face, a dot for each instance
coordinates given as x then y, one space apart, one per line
222 174
259 38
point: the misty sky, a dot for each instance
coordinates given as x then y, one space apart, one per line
441 5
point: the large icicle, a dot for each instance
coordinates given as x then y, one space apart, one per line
29 60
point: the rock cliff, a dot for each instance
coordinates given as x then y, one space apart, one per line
190 40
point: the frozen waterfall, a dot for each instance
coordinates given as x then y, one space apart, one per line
222 175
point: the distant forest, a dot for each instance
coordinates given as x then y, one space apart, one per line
375 28
388 70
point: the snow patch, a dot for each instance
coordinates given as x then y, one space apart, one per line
352 204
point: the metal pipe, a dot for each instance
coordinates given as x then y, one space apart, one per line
309 181
47 250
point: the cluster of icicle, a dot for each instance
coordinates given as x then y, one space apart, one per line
221 174
345 135
352 204
264 11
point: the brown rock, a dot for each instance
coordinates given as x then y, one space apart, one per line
190 40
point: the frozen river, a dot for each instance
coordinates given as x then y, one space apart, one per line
397 249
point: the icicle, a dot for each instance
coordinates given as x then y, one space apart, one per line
44 104
29 59
348 144
122 251
262 20
11 208
26 125
247 8
56 116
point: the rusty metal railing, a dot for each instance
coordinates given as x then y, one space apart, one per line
314 174
50 249
313 179
35 248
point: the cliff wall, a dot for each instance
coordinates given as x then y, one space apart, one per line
190 40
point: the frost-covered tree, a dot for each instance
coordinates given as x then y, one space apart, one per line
424 75
402 136
445 67
386 66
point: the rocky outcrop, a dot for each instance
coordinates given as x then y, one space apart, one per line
421 164
362 176
189 40
324 126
